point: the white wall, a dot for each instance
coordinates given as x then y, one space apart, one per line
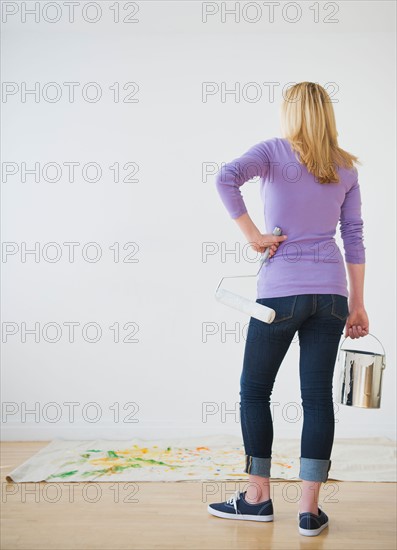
173 210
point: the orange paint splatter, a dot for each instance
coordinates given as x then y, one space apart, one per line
282 464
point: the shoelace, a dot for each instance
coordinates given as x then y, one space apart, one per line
233 500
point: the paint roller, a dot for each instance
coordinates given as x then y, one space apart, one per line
249 307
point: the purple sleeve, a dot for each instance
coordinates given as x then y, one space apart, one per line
232 175
351 226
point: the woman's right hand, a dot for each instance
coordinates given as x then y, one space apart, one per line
357 324
263 241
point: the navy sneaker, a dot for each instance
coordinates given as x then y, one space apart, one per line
236 507
310 524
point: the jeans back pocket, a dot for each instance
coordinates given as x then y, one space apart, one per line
284 306
340 307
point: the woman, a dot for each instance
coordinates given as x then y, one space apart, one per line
308 184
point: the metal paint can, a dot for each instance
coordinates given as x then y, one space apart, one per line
360 377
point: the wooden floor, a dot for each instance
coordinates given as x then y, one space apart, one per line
148 515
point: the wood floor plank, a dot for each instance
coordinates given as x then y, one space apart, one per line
145 515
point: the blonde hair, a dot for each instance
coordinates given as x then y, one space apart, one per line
308 123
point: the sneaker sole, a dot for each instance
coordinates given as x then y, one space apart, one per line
225 515
312 532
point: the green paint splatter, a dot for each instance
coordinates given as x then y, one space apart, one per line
152 461
130 462
64 474
112 454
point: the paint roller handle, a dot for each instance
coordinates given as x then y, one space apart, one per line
277 232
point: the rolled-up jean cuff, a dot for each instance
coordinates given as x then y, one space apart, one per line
257 466
314 469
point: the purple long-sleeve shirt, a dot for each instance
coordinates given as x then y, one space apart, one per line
309 261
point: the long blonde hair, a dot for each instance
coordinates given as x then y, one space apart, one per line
308 123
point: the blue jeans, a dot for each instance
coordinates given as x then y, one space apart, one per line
319 320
